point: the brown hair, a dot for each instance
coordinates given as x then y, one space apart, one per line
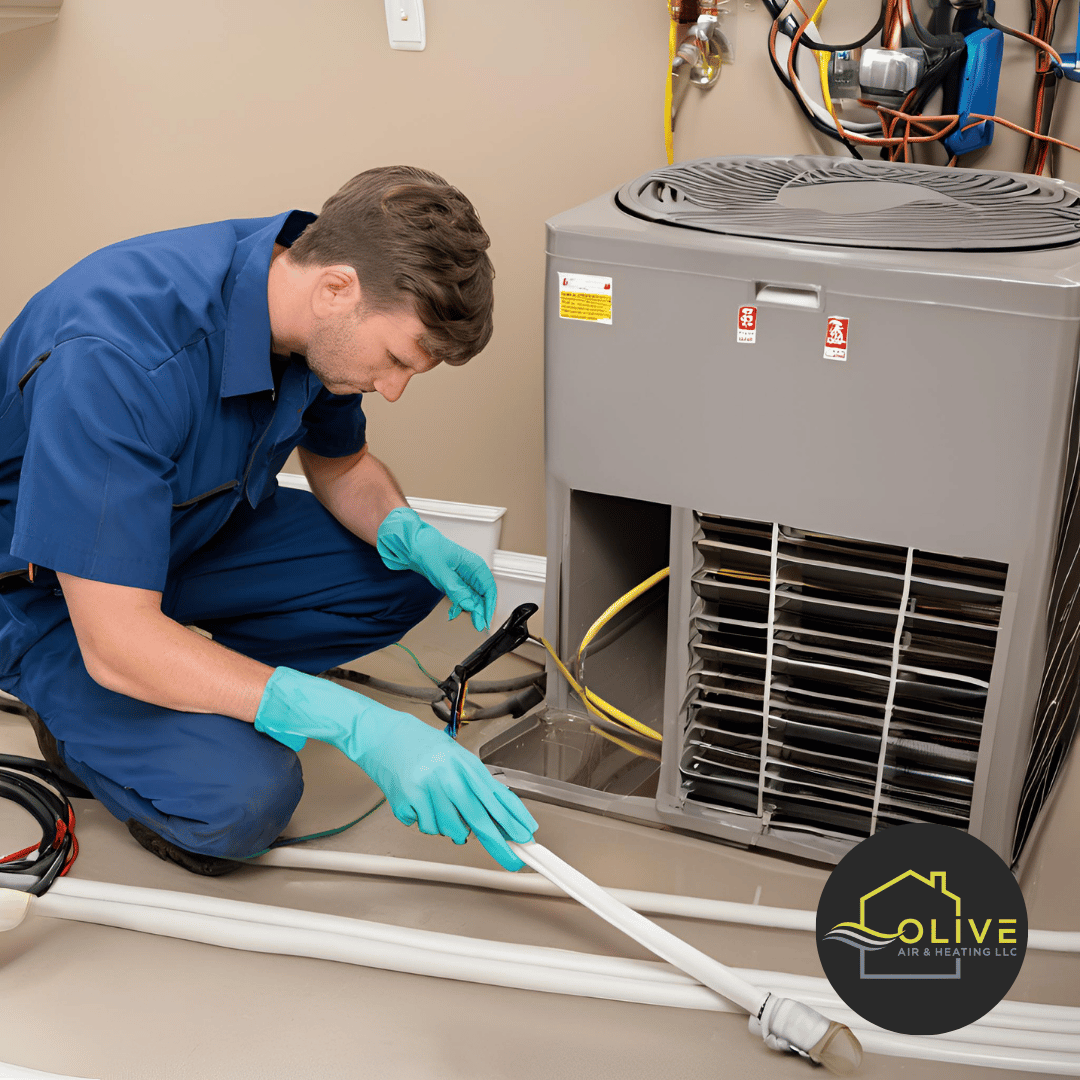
409 234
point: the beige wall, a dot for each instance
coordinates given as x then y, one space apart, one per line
125 117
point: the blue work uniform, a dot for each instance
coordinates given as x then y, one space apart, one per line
142 425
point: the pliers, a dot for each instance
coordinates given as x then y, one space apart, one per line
509 636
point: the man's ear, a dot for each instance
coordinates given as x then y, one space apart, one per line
336 292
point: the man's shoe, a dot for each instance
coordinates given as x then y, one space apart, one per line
207 865
51 753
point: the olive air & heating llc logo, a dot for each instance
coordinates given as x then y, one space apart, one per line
921 929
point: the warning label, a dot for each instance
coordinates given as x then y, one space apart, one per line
836 339
746 334
585 297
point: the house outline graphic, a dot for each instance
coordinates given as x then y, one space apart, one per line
936 882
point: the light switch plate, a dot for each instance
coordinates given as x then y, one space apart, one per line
405 24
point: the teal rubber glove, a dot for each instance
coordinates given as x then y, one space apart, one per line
427 778
405 542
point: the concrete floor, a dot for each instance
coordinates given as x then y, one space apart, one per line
116 1005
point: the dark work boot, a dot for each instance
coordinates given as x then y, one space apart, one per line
207 865
51 753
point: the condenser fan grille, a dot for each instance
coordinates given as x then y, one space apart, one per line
837 686
858 204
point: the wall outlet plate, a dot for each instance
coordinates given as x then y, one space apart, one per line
405 24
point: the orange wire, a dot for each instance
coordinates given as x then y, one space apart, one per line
895 144
1038 42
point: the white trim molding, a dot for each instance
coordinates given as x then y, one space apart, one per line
477 528
520 577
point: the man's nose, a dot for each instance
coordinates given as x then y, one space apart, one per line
392 386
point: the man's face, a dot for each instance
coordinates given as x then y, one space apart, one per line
358 353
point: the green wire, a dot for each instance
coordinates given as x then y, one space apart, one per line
418 664
313 836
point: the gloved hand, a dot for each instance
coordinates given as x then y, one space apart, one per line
405 542
427 778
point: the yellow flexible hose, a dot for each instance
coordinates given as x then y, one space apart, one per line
823 64
823 69
619 604
619 715
669 135
624 745
629 722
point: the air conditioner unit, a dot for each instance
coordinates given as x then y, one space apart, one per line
837 399
27 13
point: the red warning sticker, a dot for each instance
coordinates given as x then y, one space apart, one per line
746 333
836 338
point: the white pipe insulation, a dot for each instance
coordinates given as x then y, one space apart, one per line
1014 1035
1023 1016
445 956
690 907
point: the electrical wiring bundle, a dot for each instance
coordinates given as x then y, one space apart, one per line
874 91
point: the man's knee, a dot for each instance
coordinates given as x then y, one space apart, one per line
415 599
249 815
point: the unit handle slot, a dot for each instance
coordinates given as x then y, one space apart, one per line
797 296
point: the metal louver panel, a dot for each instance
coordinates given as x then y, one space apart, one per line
1057 714
869 204
836 686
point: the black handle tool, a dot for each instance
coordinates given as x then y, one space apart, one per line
509 636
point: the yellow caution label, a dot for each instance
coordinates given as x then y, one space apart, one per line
581 305
586 297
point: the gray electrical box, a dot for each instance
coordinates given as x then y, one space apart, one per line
836 399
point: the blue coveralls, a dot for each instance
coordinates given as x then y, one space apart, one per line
142 426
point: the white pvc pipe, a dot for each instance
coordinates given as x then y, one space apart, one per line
811 989
237 933
413 943
814 991
991 1021
690 907
1024 1010
426 940
655 938
973 1034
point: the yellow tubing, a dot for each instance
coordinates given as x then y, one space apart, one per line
618 714
619 604
669 135
823 64
593 710
625 745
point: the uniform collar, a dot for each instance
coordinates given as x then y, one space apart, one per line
245 367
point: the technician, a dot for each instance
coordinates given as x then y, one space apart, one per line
150 396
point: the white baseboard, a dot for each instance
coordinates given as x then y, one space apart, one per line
520 577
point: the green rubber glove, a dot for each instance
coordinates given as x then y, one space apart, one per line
427 778
405 542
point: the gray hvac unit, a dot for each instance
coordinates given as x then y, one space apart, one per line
836 398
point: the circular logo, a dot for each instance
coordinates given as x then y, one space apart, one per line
921 929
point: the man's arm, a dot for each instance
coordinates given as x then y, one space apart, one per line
358 490
129 646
